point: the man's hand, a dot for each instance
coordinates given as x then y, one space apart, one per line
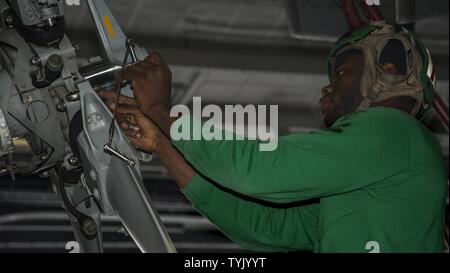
139 129
152 83
146 136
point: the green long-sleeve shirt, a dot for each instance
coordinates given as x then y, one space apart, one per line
378 174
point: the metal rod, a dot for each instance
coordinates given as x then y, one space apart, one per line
107 149
130 45
103 72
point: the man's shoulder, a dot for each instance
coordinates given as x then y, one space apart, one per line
381 119
389 125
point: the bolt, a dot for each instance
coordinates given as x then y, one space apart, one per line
89 227
51 22
73 161
55 63
74 76
89 120
44 156
99 117
35 61
145 157
9 20
61 106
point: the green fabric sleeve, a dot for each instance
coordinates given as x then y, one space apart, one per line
252 225
344 158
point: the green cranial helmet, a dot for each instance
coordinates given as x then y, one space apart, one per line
417 79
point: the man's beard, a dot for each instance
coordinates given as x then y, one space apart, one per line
350 103
352 99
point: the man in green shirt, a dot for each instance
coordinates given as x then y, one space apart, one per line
373 181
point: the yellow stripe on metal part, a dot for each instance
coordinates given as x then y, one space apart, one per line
109 27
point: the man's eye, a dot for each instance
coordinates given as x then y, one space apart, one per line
338 75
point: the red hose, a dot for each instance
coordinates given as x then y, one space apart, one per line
351 14
441 110
372 12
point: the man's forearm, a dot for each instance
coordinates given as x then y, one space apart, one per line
174 162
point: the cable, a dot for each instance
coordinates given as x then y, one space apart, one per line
351 14
118 94
88 227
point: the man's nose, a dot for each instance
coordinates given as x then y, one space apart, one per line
326 91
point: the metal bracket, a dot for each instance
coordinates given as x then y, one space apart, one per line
119 185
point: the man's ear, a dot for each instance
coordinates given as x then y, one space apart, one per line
389 68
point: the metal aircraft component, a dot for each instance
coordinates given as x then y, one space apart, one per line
38 12
6 143
48 100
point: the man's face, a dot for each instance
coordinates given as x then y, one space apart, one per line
343 95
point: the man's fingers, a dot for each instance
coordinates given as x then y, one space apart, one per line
133 72
131 130
111 96
106 94
126 109
156 59
152 62
127 126
138 70
133 135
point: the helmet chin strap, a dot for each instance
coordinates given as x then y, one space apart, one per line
372 96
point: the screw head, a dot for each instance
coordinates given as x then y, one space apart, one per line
73 161
35 61
61 106
89 227
44 156
9 20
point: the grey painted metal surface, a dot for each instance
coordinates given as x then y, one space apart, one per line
119 185
6 143
44 115
38 12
